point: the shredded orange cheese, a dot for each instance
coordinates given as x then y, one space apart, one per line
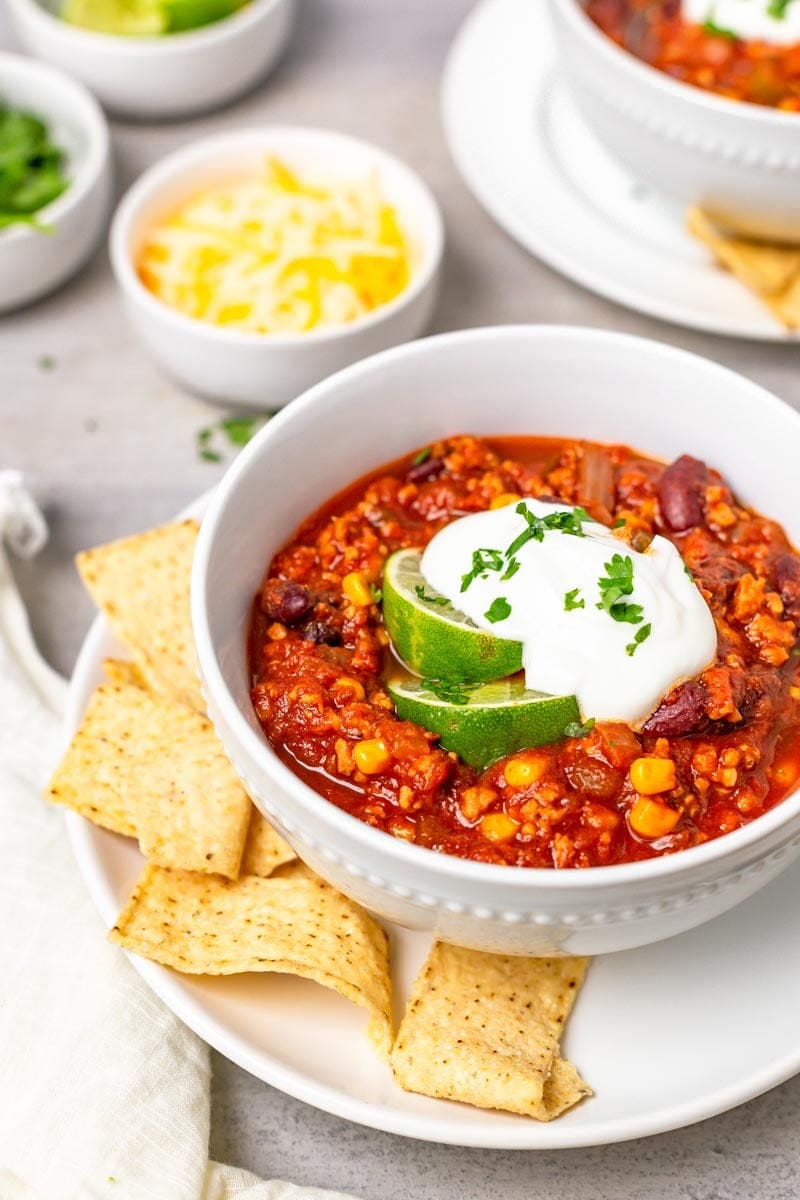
279 254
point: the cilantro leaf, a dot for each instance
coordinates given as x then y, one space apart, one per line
511 569
571 601
564 521
420 590
453 691
576 730
483 561
710 26
640 636
778 9
616 583
498 610
421 457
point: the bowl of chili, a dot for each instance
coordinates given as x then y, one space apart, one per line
308 505
703 116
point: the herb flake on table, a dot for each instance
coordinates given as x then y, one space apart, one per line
229 433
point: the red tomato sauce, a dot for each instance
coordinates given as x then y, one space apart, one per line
319 656
702 55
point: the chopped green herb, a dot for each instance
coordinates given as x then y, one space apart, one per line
640 636
571 601
31 168
423 595
498 610
511 569
204 436
454 691
567 521
618 582
239 430
619 523
210 455
688 572
377 593
576 730
710 26
47 363
778 9
421 457
483 561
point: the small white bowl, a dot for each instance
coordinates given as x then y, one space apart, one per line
537 380
156 77
34 262
265 371
738 161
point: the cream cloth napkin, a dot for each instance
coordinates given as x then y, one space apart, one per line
103 1092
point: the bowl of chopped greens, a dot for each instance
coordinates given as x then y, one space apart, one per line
55 178
158 58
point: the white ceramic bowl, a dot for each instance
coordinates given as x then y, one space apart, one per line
739 161
535 380
265 371
160 77
34 262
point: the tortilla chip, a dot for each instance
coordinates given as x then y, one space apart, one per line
265 850
162 766
770 270
142 585
485 1029
125 672
294 924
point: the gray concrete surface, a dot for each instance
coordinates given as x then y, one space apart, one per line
109 446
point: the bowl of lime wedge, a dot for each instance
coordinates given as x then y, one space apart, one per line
158 58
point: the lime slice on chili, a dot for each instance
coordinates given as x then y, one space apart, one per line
433 638
483 722
128 18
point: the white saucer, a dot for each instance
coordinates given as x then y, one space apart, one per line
529 159
667 1035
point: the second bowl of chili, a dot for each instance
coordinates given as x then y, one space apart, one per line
604 878
703 117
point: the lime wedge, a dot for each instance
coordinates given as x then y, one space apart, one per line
129 18
484 723
191 14
432 637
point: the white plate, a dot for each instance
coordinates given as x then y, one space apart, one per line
666 1036
531 162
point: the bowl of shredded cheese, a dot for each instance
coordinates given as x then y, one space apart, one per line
256 263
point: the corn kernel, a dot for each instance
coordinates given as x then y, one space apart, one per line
347 685
371 756
524 772
727 777
497 827
356 589
652 819
505 498
652 775
794 692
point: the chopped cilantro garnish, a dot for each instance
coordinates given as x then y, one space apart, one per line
239 430
618 582
710 26
421 457
47 363
454 691
576 730
778 9
571 601
511 569
566 521
640 636
688 572
619 523
210 455
498 610
377 593
420 590
483 561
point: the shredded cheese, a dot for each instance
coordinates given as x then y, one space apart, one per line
279 254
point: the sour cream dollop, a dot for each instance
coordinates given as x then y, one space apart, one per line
549 603
751 20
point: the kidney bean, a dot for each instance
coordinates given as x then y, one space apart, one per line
285 601
322 632
424 471
680 493
787 577
683 711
